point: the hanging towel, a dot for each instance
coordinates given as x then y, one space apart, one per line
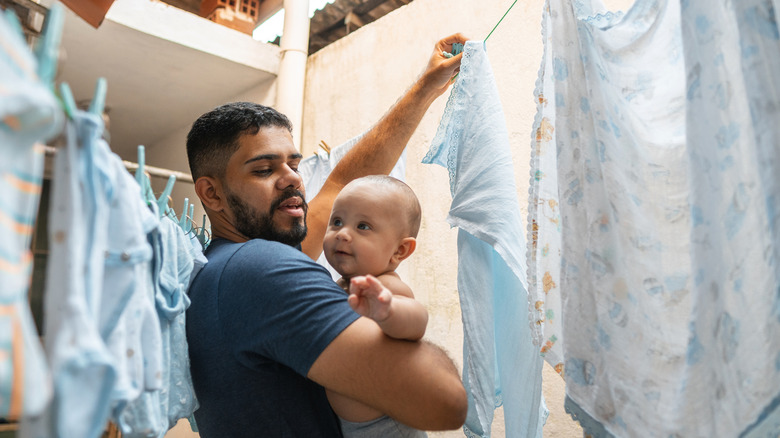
658 148
28 113
501 365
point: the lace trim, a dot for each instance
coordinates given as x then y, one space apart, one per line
592 427
605 20
448 134
535 317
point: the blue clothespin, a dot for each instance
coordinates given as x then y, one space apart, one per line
13 21
202 234
141 178
48 48
67 100
139 173
162 201
189 218
183 218
457 48
99 99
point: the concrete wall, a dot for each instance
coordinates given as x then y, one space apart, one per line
352 82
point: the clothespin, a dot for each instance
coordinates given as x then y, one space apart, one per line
48 48
189 218
13 21
68 102
162 201
183 218
139 172
142 179
99 99
324 146
202 238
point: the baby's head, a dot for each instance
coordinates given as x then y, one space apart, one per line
372 227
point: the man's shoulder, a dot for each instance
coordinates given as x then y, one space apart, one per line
225 250
256 259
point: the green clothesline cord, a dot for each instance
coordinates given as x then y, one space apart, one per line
499 21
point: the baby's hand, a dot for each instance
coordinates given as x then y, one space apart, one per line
369 298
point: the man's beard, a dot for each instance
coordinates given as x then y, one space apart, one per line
256 225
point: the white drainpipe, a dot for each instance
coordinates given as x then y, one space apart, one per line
292 66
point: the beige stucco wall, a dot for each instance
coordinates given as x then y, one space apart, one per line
353 81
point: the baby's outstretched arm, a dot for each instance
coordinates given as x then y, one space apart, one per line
391 304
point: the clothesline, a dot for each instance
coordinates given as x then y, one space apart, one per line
154 171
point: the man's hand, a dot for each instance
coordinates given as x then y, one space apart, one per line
441 71
369 298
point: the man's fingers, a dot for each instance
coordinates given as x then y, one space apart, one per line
447 42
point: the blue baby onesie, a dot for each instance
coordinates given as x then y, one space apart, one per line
82 367
28 113
177 395
500 362
128 322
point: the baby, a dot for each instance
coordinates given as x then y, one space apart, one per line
372 228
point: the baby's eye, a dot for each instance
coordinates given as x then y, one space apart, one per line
337 222
364 226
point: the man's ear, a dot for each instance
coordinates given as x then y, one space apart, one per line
209 190
405 249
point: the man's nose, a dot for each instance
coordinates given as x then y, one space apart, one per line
289 178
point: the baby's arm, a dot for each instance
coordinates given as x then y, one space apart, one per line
390 302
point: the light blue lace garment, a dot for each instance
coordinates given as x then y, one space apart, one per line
500 362
657 137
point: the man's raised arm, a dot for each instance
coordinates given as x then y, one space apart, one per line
379 150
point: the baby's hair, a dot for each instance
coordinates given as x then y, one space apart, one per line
411 205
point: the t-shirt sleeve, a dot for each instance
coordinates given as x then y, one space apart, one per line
276 303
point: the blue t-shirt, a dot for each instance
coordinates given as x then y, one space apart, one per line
261 314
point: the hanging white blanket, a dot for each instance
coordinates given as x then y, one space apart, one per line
654 208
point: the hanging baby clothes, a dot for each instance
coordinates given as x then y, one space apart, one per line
667 272
28 113
177 397
128 321
500 362
315 170
82 367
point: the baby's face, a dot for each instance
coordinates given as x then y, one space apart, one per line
363 231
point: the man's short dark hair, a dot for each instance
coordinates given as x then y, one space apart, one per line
214 136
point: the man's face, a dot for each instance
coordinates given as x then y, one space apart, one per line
263 189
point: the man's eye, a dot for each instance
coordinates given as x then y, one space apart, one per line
262 172
363 226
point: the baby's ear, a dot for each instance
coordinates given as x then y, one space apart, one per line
405 248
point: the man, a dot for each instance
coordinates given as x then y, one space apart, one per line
268 328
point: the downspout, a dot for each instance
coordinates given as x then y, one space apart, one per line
292 66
